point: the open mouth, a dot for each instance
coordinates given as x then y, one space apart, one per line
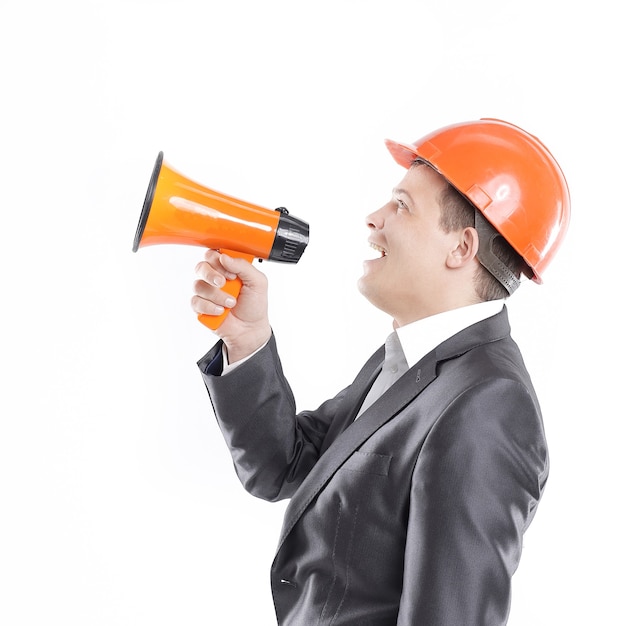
380 249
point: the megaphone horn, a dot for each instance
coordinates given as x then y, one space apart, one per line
177 210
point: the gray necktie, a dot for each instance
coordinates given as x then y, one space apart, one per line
394 366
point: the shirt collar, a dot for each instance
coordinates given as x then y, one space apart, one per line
420 337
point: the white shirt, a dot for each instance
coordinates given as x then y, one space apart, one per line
420 337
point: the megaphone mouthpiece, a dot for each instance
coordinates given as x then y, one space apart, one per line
292 237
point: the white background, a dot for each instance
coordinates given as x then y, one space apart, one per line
119 504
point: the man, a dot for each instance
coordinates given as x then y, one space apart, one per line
411 489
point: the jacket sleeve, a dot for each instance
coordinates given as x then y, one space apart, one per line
475 488
273 448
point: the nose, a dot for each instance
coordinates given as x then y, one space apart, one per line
376 219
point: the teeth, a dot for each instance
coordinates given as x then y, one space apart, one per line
382 251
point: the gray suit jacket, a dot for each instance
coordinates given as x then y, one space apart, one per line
413 514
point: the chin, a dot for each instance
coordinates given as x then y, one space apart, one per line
370 293
362 286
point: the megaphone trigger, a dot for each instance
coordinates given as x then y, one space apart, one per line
232 288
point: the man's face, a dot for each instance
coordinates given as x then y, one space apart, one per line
408 278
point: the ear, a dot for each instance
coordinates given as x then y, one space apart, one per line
465 250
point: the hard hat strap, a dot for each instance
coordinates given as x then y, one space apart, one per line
488 258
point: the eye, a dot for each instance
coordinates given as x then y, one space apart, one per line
401 205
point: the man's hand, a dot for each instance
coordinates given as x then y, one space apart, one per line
247 326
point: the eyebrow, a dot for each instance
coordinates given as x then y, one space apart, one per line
398 191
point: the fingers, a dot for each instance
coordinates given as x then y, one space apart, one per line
231 283
210 297
220 280
212 271
239 267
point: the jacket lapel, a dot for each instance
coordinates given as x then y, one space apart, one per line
354 397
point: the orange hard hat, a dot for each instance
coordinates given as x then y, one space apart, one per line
508 175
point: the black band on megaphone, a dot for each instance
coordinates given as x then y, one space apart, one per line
292 237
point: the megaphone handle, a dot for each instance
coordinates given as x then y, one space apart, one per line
232 287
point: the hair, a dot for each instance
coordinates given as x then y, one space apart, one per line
458 212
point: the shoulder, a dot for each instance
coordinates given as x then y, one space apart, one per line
490 434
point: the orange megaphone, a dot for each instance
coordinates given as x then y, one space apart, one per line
180 211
